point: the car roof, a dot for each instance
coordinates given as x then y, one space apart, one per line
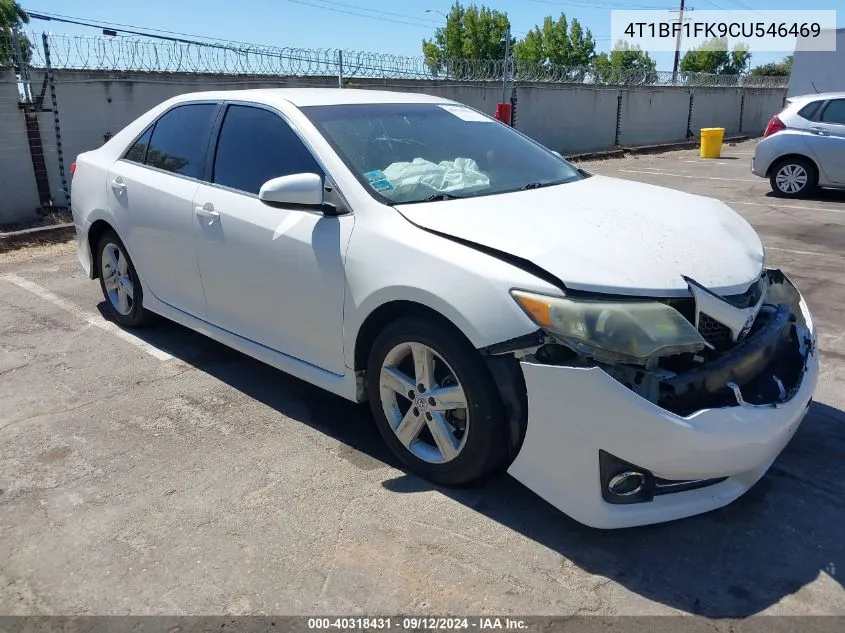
816 96
313 96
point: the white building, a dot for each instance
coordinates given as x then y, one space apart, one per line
818 71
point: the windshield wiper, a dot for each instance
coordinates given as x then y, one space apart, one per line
537 185
443 196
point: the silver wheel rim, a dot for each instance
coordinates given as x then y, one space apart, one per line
114 267
791 178
424 403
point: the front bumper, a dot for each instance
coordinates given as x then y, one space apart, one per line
574 412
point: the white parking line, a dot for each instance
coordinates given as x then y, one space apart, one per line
789 250
708 161
96 321
787 206
664 173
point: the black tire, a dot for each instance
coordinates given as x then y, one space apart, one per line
136 315
485 446
794 162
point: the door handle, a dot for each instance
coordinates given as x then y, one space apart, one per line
207 211
820 131
118 185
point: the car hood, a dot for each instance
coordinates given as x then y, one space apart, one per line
608 235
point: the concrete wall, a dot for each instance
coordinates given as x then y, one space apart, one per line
480 95
567 118
654 115
760 106
716 107
18 193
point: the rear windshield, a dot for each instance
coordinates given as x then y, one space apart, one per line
407 153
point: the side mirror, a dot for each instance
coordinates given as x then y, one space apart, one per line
296 190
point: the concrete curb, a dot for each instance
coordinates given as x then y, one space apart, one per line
620 152
43 234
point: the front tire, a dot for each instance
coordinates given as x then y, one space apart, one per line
793 177
119 282
435 402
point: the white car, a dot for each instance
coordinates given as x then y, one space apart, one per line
803 146
619 348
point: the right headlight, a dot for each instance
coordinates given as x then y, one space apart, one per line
636 329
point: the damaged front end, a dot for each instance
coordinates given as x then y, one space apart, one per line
752 350
682 421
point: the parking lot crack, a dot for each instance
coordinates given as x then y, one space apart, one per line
332 563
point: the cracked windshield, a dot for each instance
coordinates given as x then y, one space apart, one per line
407 153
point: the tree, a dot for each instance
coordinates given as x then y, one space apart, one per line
558 43
713 57
626 63
12 16
782 68
471 32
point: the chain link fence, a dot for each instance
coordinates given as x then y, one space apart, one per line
80 52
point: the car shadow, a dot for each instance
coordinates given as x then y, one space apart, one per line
821 195
733 562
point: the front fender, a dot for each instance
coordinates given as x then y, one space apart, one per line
469 288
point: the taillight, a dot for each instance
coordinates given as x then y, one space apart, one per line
72 170
775 125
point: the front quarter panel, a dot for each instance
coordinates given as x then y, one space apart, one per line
390 259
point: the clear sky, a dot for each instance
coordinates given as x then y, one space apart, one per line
391 27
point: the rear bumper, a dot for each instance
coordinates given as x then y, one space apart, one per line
574 413
83 251
755 167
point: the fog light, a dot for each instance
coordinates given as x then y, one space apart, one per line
623 482
626 483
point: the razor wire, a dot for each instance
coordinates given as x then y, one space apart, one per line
131 54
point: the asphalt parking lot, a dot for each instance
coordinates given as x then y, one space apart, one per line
164 473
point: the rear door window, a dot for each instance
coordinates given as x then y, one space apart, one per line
256 145
180 138
834 112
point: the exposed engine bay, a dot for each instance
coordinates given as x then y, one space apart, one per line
754 352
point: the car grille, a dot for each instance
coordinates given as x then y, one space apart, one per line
748 298
714 332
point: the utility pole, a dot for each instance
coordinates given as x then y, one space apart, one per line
20 60
678 44
507 63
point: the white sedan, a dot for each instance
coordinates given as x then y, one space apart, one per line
619 348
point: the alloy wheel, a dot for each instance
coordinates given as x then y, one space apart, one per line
117 279
424 402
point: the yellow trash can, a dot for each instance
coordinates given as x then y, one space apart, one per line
711 142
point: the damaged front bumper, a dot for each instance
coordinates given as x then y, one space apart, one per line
582 423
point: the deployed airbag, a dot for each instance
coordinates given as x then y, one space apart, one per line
421 177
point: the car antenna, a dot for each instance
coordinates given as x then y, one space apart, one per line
814 87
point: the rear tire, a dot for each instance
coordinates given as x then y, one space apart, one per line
435 402
119 282
793 177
